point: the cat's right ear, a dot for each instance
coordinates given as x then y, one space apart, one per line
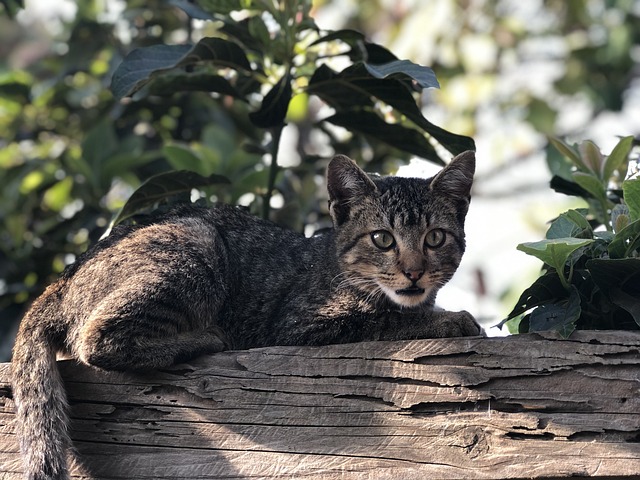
347 184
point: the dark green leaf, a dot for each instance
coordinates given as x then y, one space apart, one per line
355 88
570 224
163 186
219 52
560 316
221 7
172 82
144 64
631 189
569 152
405 139
191 8
346 35
554 252
274 105
545 289
137 68
626 241
619 158
591 184
423 76
619 279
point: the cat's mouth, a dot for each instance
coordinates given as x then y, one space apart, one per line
411 291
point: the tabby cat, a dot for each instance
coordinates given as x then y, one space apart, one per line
202 280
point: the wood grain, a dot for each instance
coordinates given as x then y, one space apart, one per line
518 407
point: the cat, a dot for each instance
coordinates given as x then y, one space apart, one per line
201 280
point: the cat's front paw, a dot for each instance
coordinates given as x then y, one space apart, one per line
457 324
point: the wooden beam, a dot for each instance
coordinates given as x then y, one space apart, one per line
517 407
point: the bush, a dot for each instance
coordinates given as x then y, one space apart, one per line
591 275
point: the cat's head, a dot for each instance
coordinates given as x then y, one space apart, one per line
399 239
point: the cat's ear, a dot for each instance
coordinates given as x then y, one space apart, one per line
455 179
347 184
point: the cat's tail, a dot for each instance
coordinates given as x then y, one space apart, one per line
39 395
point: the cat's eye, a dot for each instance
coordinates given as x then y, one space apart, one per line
435 238
383 240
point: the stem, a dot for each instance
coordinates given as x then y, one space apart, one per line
276 133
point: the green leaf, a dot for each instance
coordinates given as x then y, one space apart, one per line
592 157
177 81
356 89
423 76
545 289
144 64
570 224
619 158
631 193
554 252
181 157
163 186
221 7
626 241
345 35
274 106
217 51
402 138
191 8
560 316
619 279
591 184
568 152
138 67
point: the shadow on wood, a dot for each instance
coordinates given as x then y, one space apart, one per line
516 407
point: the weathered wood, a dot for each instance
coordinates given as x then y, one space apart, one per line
517 407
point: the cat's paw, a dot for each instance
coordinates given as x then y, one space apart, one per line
457 324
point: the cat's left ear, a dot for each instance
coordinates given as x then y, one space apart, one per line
455 179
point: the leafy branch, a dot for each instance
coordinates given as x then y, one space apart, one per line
591 276
277 52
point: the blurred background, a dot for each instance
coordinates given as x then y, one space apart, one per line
512 73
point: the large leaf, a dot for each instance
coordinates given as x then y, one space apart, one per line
554 252
423 76
631 192
173 81
559 316
619 158
592 157
220 7
355 89
274 105
620 280
570 224
626 241
369 123
361 50
192 9
545 289
569 152
163 186
591 184
138 67
143 64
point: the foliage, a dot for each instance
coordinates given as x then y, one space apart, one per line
591 277
276 57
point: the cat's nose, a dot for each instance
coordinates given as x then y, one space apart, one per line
414 275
